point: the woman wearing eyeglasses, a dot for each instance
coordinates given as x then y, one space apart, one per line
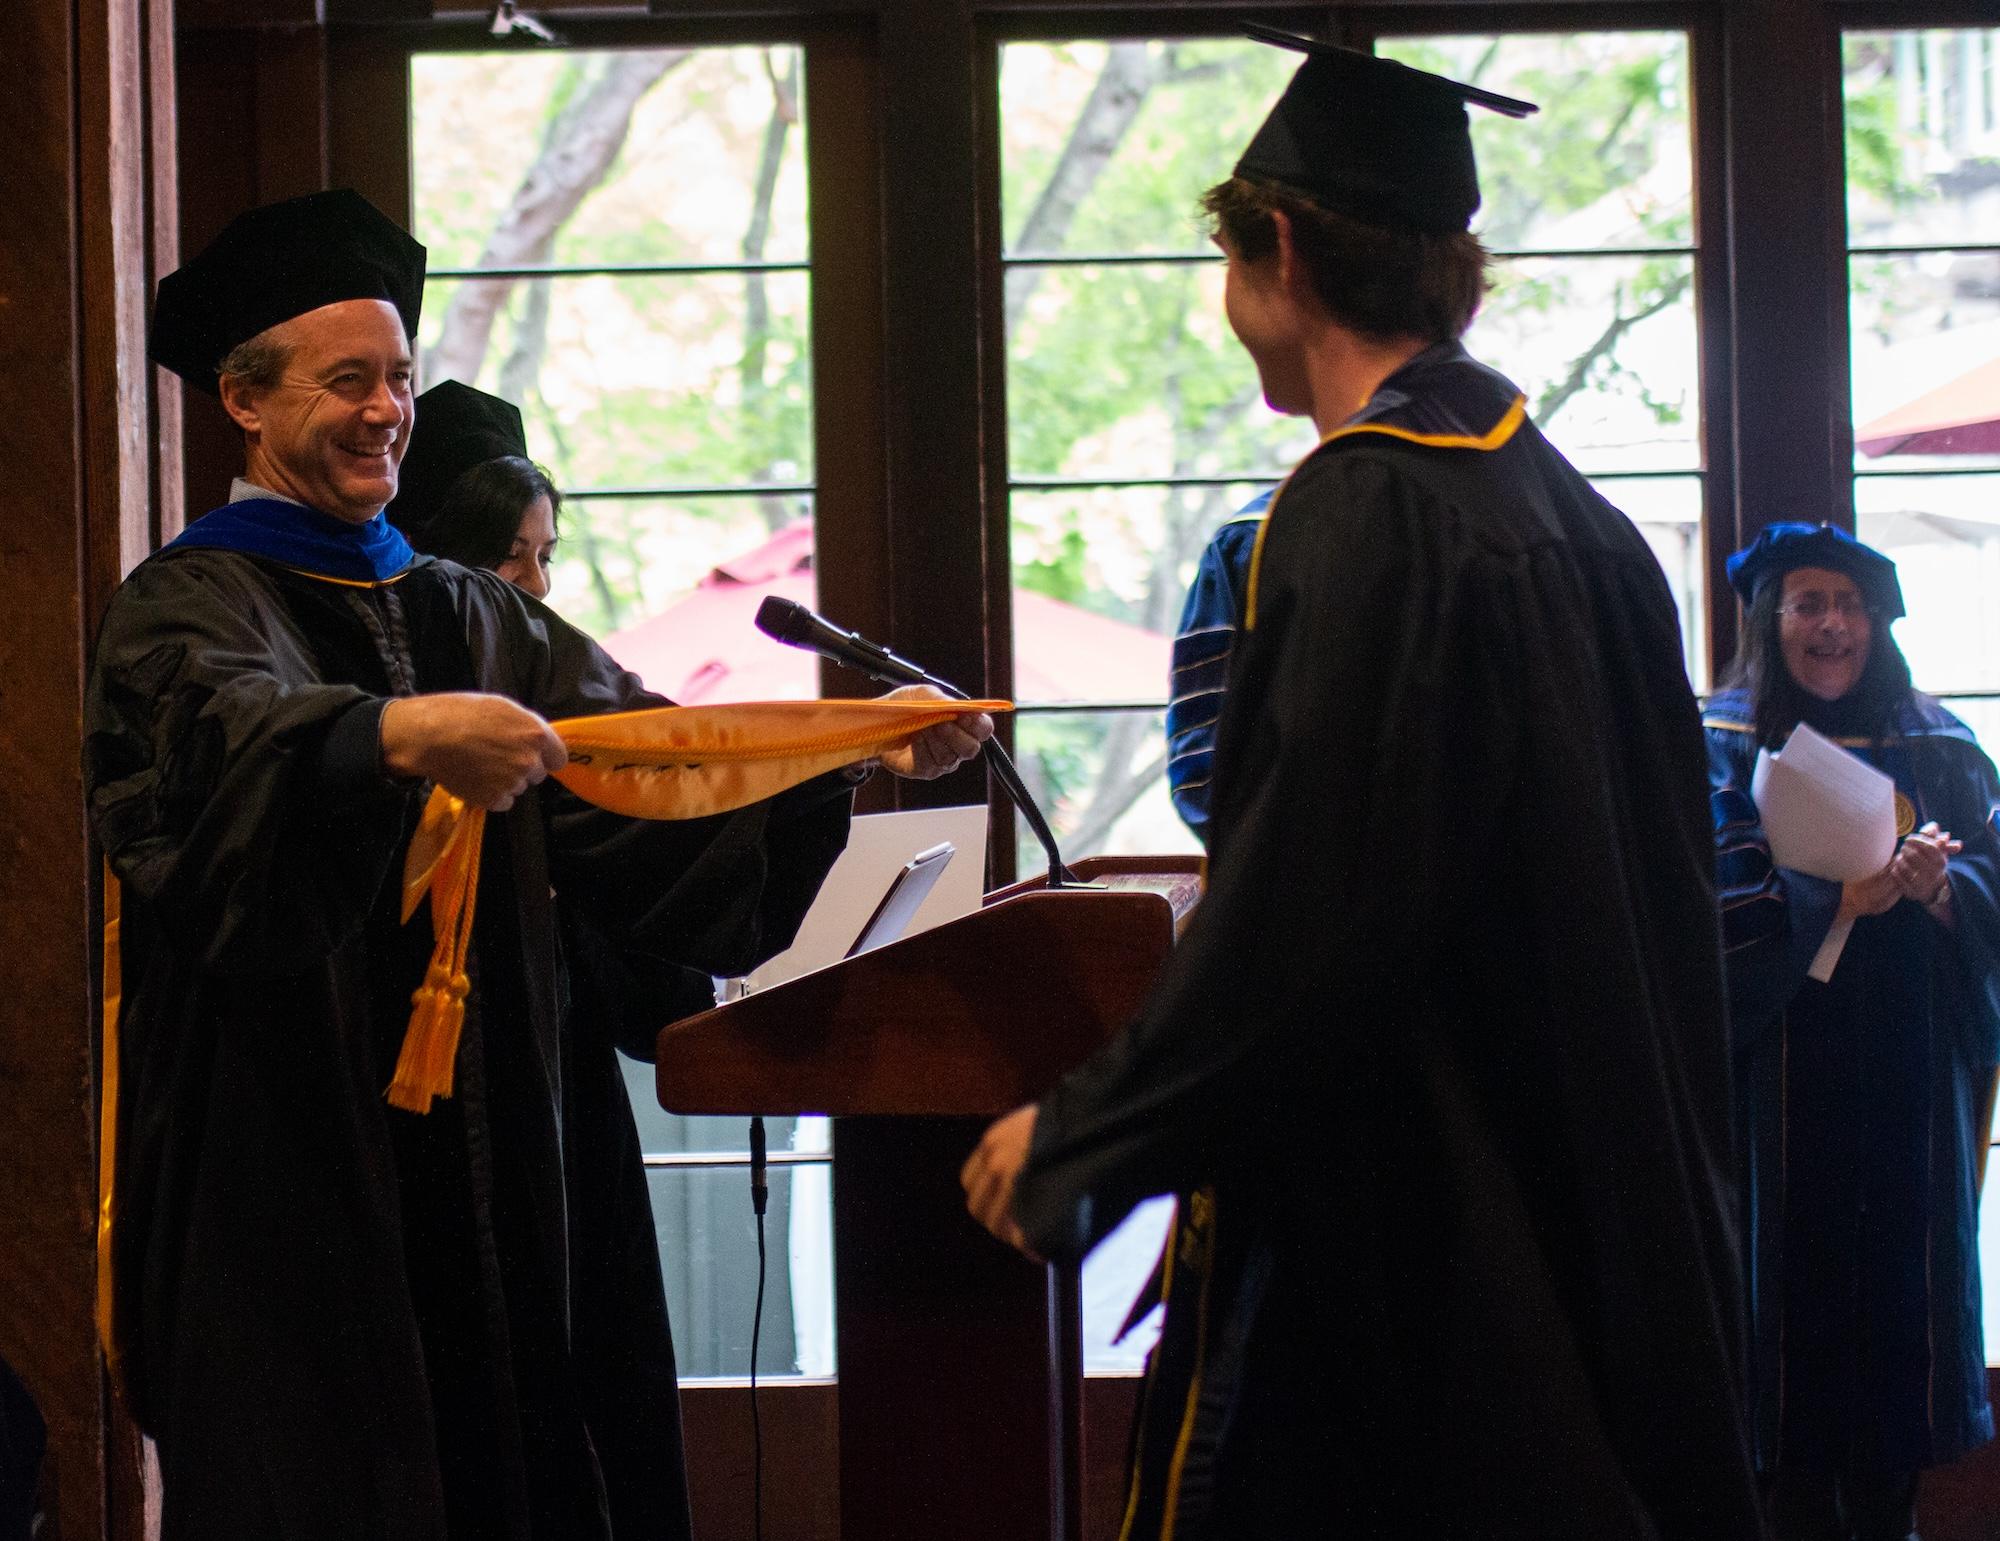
1863 1102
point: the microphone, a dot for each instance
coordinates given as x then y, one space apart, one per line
788 621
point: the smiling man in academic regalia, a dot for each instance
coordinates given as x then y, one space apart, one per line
341 1319
1439 1068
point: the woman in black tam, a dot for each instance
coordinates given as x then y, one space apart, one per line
468 492
1864 1101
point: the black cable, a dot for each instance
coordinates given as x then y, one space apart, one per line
760 1196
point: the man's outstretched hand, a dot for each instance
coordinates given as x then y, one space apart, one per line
940 750
990 1172
485 748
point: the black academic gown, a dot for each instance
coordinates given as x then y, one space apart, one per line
621 1342
1439 1067
343 1320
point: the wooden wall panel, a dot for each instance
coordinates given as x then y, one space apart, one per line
163 179
45 1065
77 442
253 129
801 1460
368 124
801 1455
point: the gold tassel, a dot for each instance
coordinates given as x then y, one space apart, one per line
426 1068
671 762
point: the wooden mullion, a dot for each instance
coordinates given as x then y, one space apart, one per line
1030 21
1793 440
852 553
934 425
1912 15
1411 17
1714 327
368 122
996 491
598 29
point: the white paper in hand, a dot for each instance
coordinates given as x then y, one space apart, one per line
1827 814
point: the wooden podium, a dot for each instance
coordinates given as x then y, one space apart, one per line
960 1363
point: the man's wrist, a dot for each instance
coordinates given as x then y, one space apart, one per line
395 745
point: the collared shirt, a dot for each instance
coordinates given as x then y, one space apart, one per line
241 490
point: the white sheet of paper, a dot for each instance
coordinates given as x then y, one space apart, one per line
878 845
1827 814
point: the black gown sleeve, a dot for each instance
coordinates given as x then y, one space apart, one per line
236 793
718 894
1971 792
1365 656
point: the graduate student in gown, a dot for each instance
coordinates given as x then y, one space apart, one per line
467 492
1864 1101
1439 1069
339 1318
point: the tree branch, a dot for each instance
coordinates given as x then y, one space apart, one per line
1108 114
1557 396
757 305
1115 792
582 144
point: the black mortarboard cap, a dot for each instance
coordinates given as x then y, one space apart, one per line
456 429
278 262
1371 137
1782 548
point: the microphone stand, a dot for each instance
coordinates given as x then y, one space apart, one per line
892 670
1004 772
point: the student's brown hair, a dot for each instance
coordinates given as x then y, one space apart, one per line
1382 279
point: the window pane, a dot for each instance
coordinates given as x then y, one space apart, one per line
1131 370
1099 577
1925 338
1982 715
1944 534
1607 352
634 381
1100 778
669 586
1607 160
1107 147
668 155
708 1253
1923 127
1667 510
1113 1275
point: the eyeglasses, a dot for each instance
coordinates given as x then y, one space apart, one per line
1813 607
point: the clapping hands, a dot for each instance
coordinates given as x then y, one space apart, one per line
1918 870
1919 866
